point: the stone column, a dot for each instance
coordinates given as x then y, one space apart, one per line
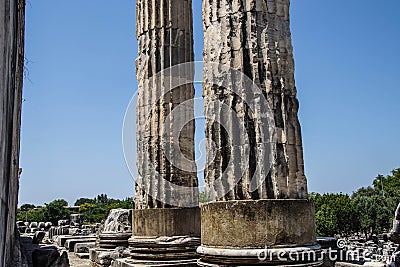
255 169
166 219
12 21
165 125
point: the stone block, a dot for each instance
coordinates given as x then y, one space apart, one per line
239 231
70 243
140 263
38 237
166 222
84 247
60 241
49 257
103 257
82 255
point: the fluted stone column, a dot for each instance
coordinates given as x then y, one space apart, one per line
165 35
12 32
254 145
166 219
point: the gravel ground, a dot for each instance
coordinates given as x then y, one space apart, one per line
74 261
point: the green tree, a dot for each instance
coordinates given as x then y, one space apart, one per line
389 185
27 207
56 210
83 200
102 199
97 210
93 213
326 221
94 210
335 213
374 213
32 215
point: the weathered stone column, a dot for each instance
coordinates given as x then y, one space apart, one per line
12 21
255 171
165 125
166 219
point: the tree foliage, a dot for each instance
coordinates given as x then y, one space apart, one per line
94 210
52 212
83 200
56 210
27 207
369 210
334 213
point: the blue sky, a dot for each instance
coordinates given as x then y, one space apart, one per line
81 77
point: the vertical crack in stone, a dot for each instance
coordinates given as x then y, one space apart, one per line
253 37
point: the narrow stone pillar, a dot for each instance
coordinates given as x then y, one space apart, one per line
255 172
12 32
166 218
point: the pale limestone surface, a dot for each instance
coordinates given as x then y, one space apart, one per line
118 221
164 32
12 18
254 37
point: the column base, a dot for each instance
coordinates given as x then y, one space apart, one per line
164 248
113 240
259 232
295 256
142 263
165 237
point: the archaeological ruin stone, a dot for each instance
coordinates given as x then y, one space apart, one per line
12 17
71 243
63 222
105 257
166 219
164 33
117 229
41 225
84 247
49 257
38 237
253 37
76 219
47 226
255 169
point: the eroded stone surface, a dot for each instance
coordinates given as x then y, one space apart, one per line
253 37
118 221
84 247
154 263
166 222
49 257
71 243
117 229
256 224
12 16
104 257
38 237
164 32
